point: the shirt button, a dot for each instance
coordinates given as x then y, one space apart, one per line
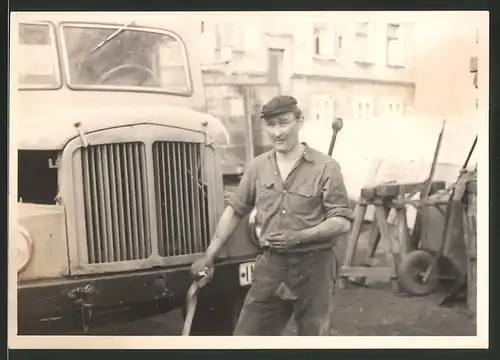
284 191
283 211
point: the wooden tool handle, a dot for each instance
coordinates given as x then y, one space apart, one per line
191 302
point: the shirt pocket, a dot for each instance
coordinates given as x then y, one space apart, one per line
304 200
267 195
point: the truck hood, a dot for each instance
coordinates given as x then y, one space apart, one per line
50 129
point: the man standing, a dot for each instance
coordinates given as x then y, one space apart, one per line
302 208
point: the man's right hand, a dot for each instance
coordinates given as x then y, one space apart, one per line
203 265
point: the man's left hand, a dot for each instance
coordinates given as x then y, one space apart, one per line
283 240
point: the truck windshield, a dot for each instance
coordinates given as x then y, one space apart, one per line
133 58
37 58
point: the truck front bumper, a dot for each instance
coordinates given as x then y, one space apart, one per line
75 304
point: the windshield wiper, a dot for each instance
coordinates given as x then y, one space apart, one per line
113 35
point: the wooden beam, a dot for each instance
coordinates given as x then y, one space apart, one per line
364 272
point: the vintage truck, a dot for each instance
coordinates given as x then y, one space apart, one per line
119 178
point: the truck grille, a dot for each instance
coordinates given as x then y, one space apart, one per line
181 198
116 202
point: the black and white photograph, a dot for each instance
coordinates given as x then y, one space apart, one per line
270 174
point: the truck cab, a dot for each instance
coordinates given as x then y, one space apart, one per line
120 186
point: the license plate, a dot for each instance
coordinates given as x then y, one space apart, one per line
246 272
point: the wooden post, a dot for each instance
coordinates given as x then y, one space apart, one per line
373 241
353 238
386 234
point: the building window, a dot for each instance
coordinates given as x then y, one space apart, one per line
363 108
363 39
324 41
275 65
395 47
229 35
394 107
322 108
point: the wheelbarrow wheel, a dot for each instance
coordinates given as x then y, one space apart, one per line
411 271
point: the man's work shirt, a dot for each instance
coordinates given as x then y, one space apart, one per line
313 192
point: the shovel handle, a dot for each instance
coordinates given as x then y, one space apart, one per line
191 302
192 299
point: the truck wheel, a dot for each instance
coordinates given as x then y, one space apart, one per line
217 314
411 270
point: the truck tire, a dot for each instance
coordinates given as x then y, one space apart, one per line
217 314
410 272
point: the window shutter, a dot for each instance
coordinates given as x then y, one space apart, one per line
251 37
208 43
401 49
314 113
326 108
396 45
329 109
225 36
218 35
327 42
380 52
369 109
357 108
323 42
373 44
303 48
229 35
239 33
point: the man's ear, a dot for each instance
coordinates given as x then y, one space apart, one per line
301 120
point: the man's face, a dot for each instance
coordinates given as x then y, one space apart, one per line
283 130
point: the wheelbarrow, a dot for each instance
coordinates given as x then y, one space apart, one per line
421 270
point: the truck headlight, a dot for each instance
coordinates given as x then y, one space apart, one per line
24 248
253 228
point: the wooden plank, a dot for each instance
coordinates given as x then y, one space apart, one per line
368 193
404 233
419 203
386 235
373 241
364 272
353 238
385 190
402 227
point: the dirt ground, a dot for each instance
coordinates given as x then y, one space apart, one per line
374 311
377 311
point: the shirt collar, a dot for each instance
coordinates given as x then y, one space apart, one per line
306 155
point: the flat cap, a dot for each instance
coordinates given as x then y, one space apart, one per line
278 105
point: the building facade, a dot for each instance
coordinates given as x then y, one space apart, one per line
446 81
334 68
391 82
